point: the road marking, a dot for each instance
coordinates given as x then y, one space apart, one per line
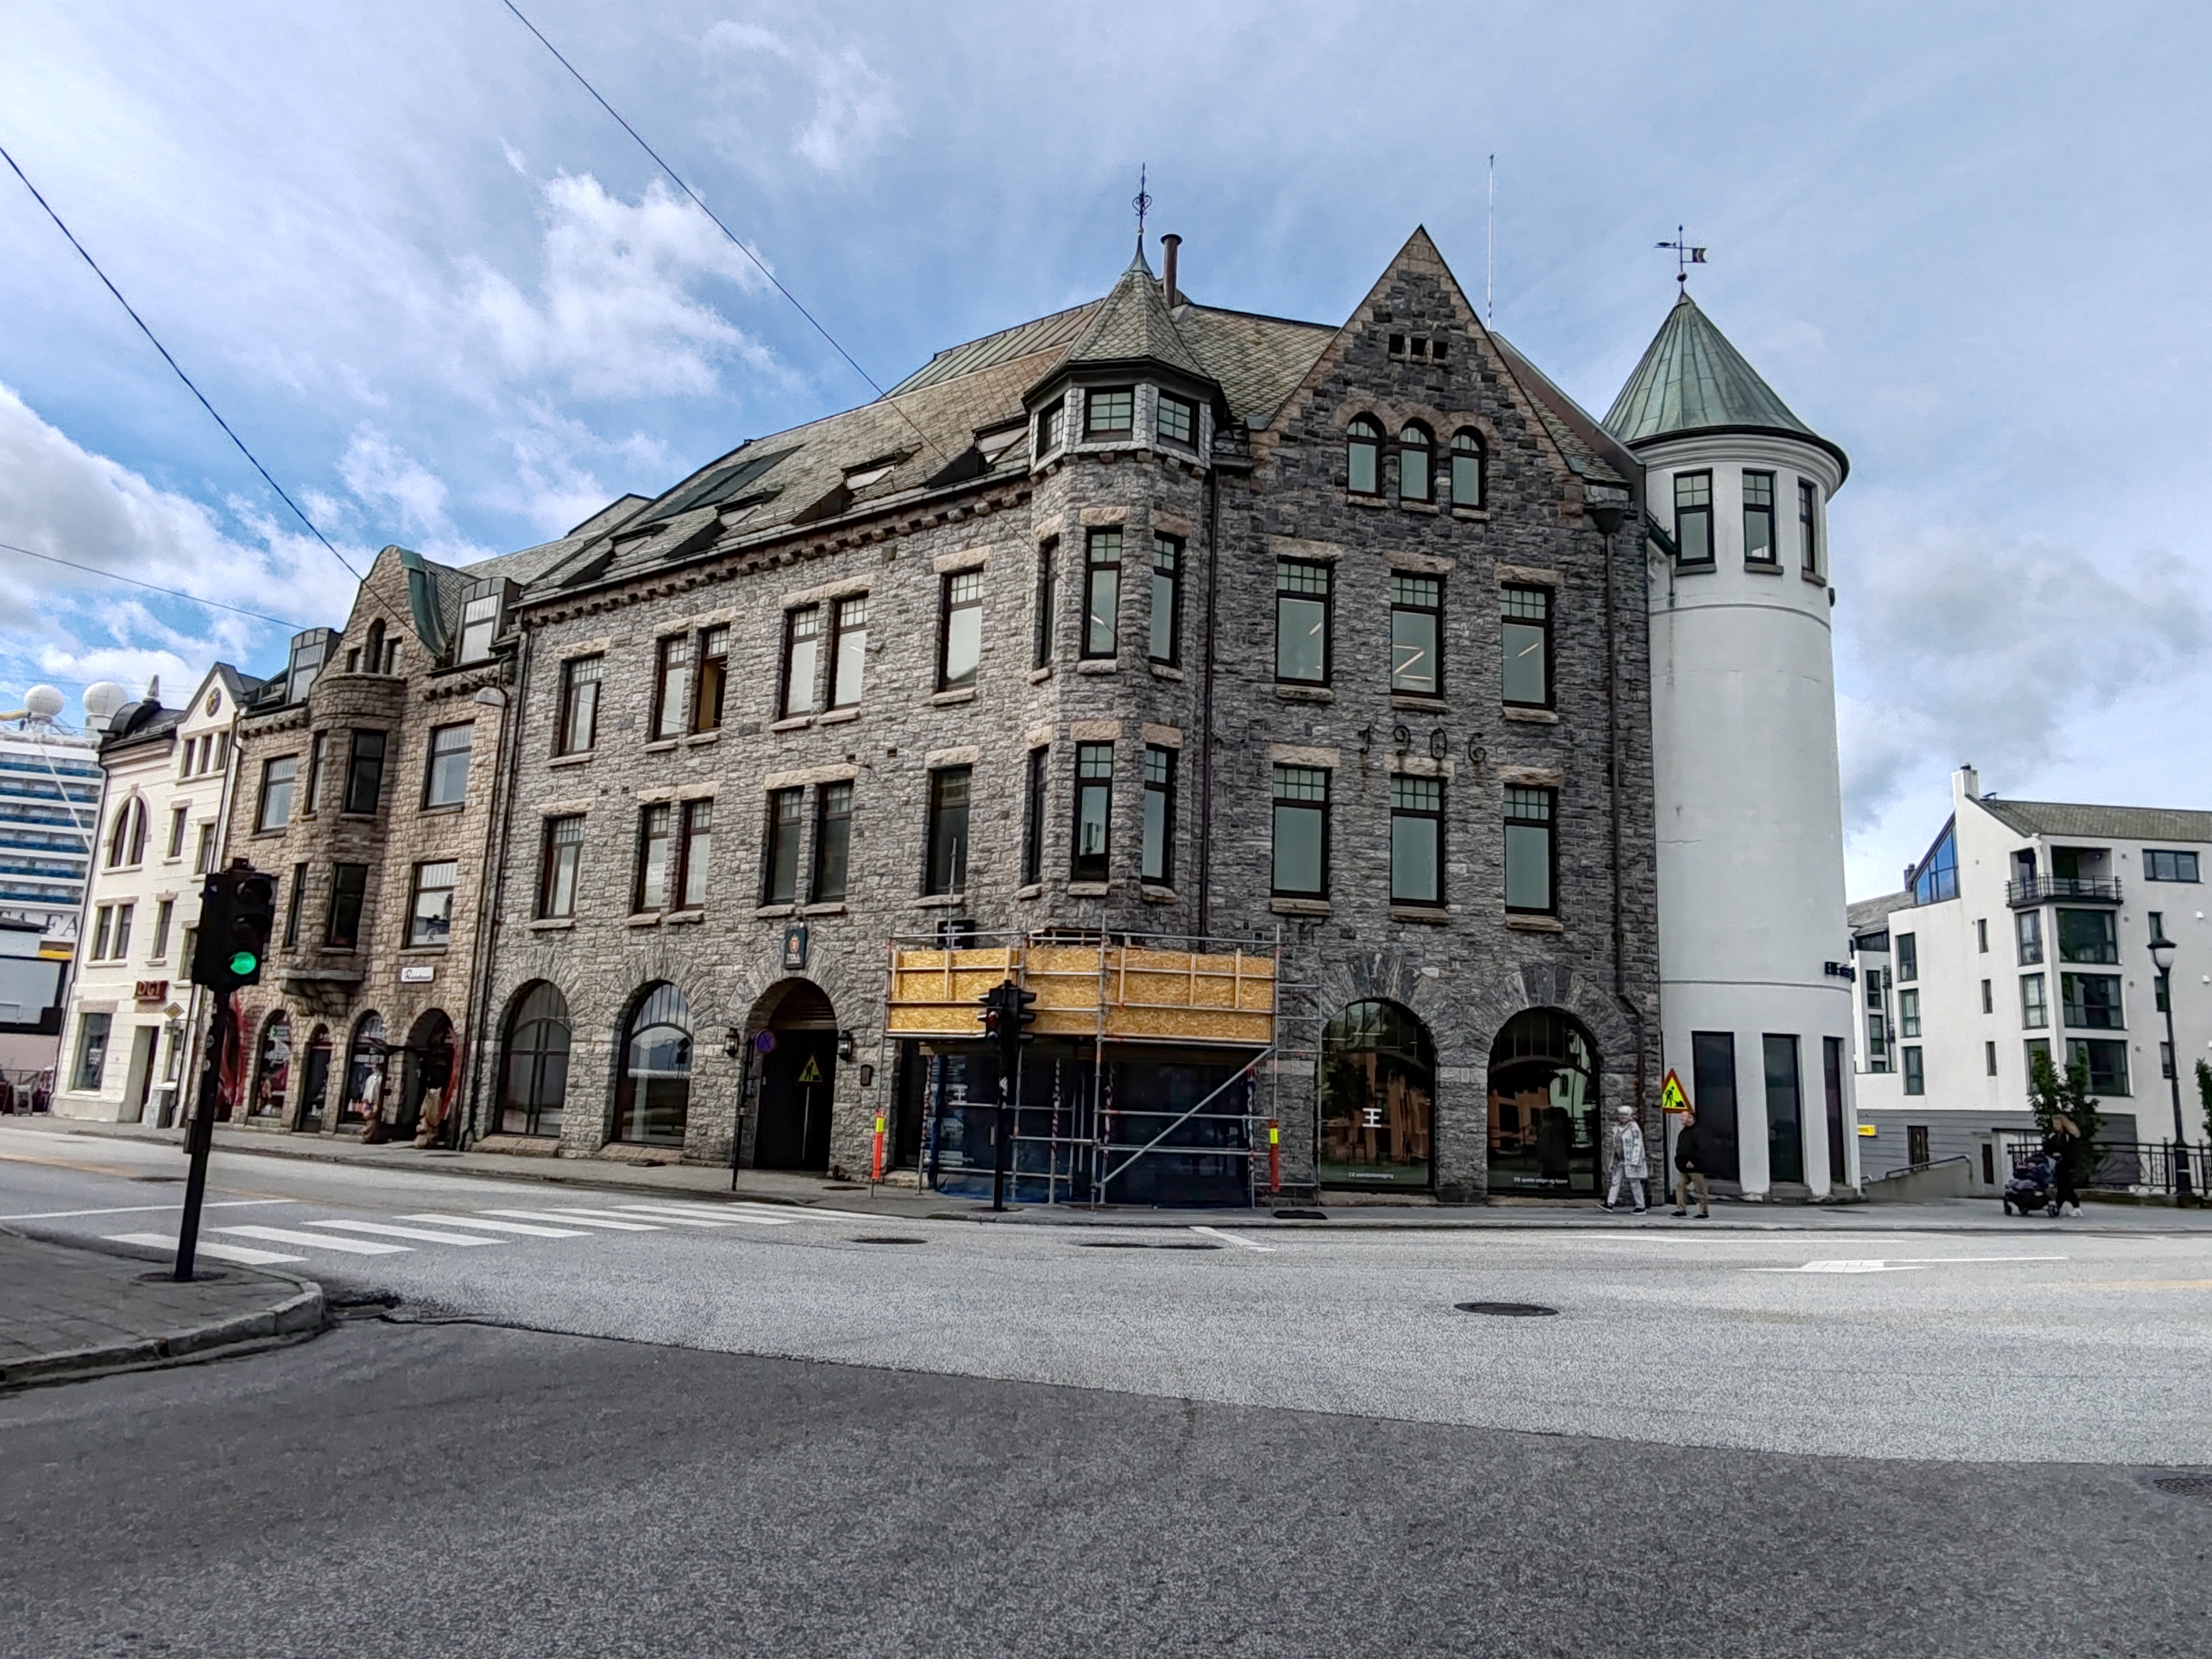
315 1241
500 1226
634 1212
2136 1285
146 1209
382 1230
1897 1265
1231 1239
580 1220
237 1253
721 1218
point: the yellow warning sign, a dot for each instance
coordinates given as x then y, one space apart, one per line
810 1072
1671 1096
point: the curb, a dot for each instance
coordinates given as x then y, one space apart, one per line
299 1316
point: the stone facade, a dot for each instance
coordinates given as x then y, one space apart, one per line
1263 479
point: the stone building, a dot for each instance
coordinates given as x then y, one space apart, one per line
366 773
136 1020
1146 626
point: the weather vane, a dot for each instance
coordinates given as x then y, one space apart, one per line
1685 256
1142 203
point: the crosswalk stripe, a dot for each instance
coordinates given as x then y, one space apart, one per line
719 1217
316 1241
237 1253
500 1226
423 1233
581 1220
631 1213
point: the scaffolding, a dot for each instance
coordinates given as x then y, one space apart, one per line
1111 993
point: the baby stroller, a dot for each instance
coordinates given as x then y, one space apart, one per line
2034 1186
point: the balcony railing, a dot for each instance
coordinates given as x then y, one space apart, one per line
2045 889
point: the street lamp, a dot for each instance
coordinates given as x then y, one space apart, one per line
2161 954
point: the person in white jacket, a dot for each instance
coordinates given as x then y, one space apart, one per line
1631 1163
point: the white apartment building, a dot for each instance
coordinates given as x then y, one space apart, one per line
134 1017
2027 927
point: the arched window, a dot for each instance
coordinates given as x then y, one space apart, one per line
364 1061
1467 469
533 1080
126 843
1378 1097
1364 458
272 1067
315 1081
655 1090
374 663
1544 1106
1416 462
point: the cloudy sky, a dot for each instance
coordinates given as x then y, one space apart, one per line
450 305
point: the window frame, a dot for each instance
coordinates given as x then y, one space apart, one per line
349 898
1430 811
2175 857
827 799
1364 431
2034 1003
1156 847
1052 426
1166 575
1082 865
295 904
1296 596
2070 1002
1765 510
948 606
1517 795
802 641
1097 572
432 755
180 820
710 679
1699 479
1092 397
416 890
1413 439
560 866
1507 619
361 764
1914 1069
1162 403
694 853
656 824
1043 600
782 833
1433 610
264 823
1320 807
575 682
939 810
1035 797
671 688
1467 445
1808 528
848 649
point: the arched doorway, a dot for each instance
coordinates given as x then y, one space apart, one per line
430 1069
272 1067
796 1053
652 1097
533 1073
1544 1107
315 1081
364 1078
1378 1071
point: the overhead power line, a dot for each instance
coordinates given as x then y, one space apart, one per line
735 240
172 362
174 592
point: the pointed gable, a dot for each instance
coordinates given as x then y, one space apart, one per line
1692 380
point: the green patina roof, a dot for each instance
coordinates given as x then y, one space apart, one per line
1692 379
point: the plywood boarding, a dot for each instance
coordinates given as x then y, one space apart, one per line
1084 991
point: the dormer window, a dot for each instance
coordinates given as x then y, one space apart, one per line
1110 412
995 445
870 472
482 613
1177 422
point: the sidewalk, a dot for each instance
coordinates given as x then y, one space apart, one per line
1335 1211
67 1312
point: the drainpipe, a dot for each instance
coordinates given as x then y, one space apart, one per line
1206 708
489 891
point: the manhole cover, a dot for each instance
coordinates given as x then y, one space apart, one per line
159 1179
888 1238
1300 1215
1507 1310
2184 1485
1144 1244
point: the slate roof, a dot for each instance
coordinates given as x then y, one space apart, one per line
1869 915
2151 823
1257 361
1132 325
1692 379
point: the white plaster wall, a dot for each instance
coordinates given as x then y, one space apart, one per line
1749 798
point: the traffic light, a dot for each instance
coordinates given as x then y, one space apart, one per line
1014 1016
238 909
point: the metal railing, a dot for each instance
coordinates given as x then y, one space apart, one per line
2045 889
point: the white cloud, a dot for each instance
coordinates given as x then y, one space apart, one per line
613 315
836 110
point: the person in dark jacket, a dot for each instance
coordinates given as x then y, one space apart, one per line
2062 1145
1688 1173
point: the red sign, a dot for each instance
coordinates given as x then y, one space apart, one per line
153 990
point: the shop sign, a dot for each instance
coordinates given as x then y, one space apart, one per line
152 990
418 973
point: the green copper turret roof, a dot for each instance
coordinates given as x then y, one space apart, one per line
1692 379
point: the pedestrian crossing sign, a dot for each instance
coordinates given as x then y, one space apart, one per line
1671 1096
811 1073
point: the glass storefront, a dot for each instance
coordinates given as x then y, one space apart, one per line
1544 1108
1378 1073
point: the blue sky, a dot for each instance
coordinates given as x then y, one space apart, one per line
449 303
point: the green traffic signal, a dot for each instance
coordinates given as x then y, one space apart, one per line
244 963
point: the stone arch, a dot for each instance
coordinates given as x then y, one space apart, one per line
1377 1097
796 1073
652 1094
536 1032
1547 1096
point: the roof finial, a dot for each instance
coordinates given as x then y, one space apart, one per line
1685 257
1142 203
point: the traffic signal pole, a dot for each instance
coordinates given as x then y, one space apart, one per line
201 1137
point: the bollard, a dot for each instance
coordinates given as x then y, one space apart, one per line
1274 1156
876 1172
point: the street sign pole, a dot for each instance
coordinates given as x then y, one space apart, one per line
201 1137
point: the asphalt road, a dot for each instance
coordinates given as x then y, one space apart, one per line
1116 1440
